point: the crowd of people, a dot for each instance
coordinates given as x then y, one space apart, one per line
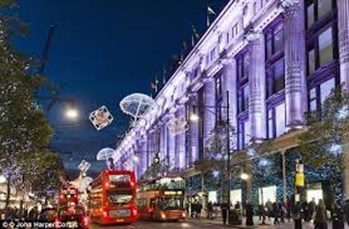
14 213
280 212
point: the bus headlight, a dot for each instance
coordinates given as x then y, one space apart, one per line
163 216
184 215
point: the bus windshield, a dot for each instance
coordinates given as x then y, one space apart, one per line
120 196
119 178
171 204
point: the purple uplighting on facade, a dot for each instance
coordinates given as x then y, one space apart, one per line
277 58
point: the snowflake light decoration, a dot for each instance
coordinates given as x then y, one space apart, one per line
177 125
137 104
105 153
85 183
101 118
84 166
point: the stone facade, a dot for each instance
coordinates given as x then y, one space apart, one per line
277 95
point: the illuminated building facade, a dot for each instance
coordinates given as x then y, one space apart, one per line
277 58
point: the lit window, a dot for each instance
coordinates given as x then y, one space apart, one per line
247 132
275 78
280 119
318 10
312 100
241 134
319 94
274 40
278 38
323 7
255 8
244 11
326 47
311 61
244 98
310 15
271 123
326 89
320 50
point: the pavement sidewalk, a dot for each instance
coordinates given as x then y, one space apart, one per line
286 225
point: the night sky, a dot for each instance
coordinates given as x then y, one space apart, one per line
102 51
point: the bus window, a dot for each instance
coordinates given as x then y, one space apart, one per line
152 203
171 204
120 196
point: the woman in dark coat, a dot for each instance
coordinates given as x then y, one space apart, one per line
297 215
249 214
320 216
337 217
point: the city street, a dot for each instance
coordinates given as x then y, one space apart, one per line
207 112
153 225
201 224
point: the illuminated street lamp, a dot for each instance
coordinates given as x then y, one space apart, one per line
156 159
194 117
72 113
135 159
244 176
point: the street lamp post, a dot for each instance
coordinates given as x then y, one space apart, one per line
228 149
194 117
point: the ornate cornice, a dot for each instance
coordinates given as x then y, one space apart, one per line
253 36
288 3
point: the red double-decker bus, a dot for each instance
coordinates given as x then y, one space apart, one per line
68 195
112 198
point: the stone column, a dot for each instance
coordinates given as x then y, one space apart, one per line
343 36
171 145
229 84
149 149
165 140
194 131
180 140
295 81
209 107
162 142
142 156
257 86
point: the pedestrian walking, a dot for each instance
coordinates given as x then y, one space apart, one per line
346 211
282 209
249 214
305 211
276 213
297 215
311 209
288 208
210 210
193 209
269 207
336 216
198 210
224 209
187 205
320 216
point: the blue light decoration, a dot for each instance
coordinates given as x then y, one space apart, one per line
267 171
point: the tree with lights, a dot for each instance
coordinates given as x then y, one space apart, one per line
24 131
43 170
328 131
321 146
215 155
